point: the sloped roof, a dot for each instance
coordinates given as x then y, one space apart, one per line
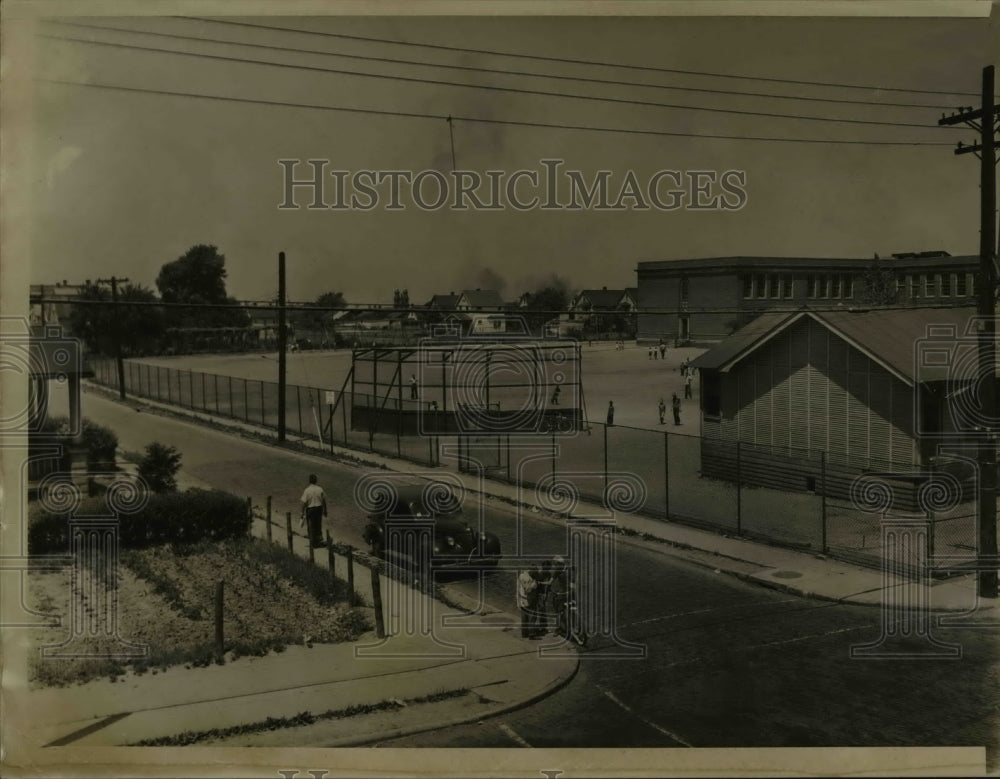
602 298
483 298
890 337
443 302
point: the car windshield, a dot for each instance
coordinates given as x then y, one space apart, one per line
416 507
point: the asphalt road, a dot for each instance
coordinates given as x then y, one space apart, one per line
727 664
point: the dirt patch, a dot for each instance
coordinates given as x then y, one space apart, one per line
159 608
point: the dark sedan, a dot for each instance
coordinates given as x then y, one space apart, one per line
455 542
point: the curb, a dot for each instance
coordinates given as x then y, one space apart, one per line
548 690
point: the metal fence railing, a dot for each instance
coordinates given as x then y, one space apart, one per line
793 497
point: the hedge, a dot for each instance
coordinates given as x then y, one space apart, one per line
169 518
101 442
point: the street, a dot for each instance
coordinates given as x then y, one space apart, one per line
728 664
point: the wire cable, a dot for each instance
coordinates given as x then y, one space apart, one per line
571 61
499 71
494 88
481 120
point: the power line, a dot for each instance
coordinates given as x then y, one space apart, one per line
500 71
490 87
480 120
570 61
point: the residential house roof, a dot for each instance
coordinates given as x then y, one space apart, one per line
481 298
443 302
604 298
890 337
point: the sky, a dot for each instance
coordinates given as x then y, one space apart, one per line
123 181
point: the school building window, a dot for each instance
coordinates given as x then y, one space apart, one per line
929 286
946 285
747 286
962 285
914 284
759 290
788 286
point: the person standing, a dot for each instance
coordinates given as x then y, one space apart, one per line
413 387
611 413
555 395
527 601
662 409
688 381
313 511
676 405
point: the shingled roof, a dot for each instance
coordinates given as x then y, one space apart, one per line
890 337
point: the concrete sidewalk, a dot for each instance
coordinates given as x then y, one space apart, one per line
801 573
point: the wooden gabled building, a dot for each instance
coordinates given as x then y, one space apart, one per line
807 394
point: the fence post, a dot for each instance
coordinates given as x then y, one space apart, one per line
288 528
377 601
312 550
215 386
822 486
268 518
191 388
246 401
263 419
739 491
204 393
605 459
553 455
298 406
666 474
350 575
331 558
219 632
508 456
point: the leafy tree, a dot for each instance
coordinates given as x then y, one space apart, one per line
545 304
140 327
878 285
319 320
199 276
159 467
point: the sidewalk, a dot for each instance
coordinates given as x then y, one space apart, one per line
800 573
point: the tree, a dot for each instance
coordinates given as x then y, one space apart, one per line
141 327
199 276
318 320
545 304
878 285
159 467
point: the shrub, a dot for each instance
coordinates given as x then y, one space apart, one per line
173 517
159 467
101 442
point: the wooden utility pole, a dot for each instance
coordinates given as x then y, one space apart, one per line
984 120
282 346
117 334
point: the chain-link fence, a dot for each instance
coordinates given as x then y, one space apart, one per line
785 495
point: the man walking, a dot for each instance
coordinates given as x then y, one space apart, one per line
676 405
662 408
611 413
688 381
413 387
313 511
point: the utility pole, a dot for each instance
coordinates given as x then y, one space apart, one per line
984 120
116 326
282 346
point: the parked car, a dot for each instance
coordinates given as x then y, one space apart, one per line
456 543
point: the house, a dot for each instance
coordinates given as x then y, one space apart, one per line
597 311
478 302
808 399
701 301
52 313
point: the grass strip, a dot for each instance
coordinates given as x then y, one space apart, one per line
302 718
